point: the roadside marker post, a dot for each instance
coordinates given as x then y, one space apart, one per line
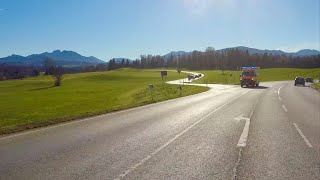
151 87
179 71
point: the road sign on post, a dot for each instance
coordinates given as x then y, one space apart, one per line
163 74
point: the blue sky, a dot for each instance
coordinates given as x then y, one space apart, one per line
129 28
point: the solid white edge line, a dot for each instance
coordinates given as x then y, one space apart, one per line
285 109
303 136
141 162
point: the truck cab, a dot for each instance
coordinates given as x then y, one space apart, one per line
250 76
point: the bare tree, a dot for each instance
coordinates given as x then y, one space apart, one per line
57 75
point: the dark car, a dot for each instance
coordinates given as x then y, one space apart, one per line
309 79
190 77
299 80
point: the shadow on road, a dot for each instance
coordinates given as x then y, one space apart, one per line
259 87
307 85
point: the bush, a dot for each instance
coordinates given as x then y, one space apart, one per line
57 75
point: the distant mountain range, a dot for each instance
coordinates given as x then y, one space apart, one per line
301 53
61 58
73 59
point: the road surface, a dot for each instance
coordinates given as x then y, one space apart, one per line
270 132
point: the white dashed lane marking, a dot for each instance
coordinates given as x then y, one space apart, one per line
285 109
280 90
279 93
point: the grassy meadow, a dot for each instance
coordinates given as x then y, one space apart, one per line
272 74
33 102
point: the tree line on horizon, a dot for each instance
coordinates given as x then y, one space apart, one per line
231 59
49 67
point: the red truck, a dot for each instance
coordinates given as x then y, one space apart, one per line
250 76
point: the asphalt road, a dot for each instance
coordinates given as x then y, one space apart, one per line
270 132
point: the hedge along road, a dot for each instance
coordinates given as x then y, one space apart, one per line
224 133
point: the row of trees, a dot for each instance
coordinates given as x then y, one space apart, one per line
49 67
8 72
17 72
113 64
229 59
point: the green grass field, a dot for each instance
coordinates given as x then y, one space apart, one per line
274 74
33 102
